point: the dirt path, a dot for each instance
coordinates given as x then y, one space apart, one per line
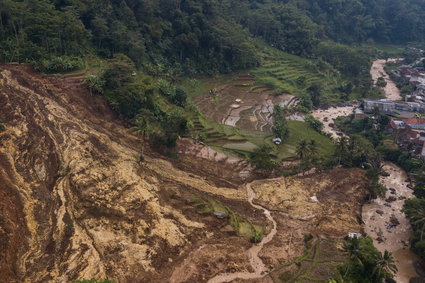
255 261
387 224
377 70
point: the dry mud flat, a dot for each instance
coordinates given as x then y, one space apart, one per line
387 224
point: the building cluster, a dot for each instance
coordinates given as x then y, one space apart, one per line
410 134
414 74
407 123
390 107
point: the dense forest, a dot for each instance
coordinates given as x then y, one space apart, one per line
204 36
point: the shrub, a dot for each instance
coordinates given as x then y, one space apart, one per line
59 64
314 123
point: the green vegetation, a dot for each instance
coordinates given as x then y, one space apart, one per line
292 74
240 225
280 125
415 212
365 263
191 37
318 263
2 128
350 260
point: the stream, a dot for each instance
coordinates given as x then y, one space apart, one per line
255 261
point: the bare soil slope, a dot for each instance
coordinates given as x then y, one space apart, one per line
75 202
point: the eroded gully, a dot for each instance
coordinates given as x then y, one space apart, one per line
255 261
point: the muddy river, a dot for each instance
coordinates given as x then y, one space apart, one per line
387 224
384 220
377 70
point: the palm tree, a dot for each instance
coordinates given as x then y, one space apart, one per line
355 254
302 150
417 218
313 148
385 265
342 147
143 125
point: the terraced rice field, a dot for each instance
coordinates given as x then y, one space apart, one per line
240 103
291 74
289 71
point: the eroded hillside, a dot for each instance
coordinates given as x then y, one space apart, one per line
76 202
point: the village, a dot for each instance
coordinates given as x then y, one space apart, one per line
407 115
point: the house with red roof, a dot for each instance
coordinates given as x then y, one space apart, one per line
410 134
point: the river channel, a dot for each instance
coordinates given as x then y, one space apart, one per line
384 221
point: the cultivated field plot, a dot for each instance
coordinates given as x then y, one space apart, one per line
240 103
318 263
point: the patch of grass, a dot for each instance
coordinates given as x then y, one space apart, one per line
318 263
243 142
388 49
242 226
2 128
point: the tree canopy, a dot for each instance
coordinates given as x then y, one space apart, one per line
203 36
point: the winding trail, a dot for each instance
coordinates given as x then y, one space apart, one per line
255 261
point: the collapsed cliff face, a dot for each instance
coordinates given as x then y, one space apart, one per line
76 203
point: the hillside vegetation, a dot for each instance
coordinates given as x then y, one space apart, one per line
187 36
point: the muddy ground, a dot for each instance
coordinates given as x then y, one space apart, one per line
76 202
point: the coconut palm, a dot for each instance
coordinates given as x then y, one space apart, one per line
385 265
303 153
353 249
313 149
303 150
417 218
342 147
144 125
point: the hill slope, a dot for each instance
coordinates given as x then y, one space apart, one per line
76 202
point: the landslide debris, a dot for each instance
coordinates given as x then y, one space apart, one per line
77 203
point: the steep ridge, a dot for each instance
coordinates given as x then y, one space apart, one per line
76 202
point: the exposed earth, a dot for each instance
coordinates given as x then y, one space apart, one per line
78 203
